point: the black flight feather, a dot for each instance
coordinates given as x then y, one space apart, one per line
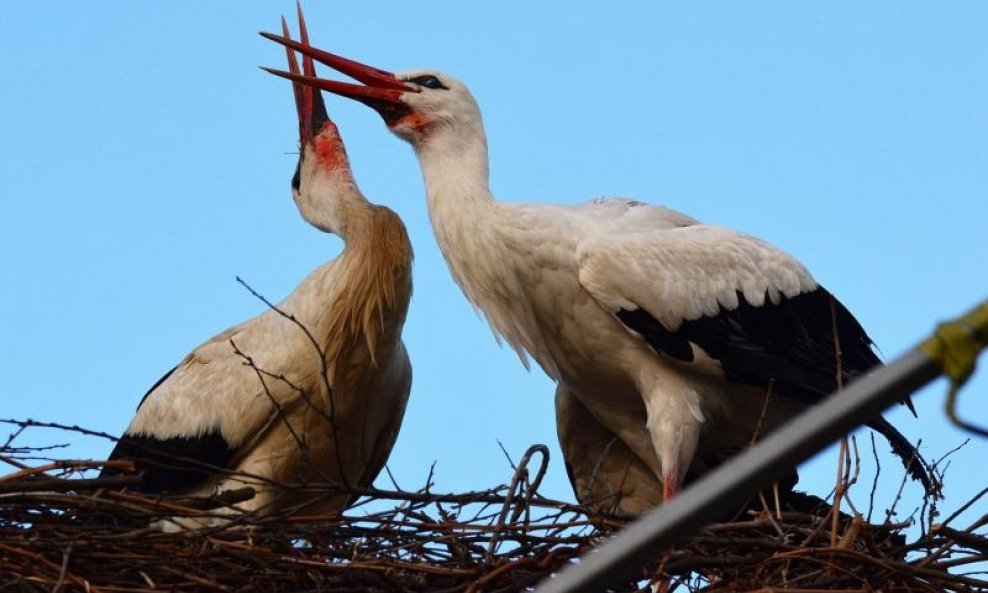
787 345
172 464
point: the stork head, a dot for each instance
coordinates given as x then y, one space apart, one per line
418 106
438 104
323 178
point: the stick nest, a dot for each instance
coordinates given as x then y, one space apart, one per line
63 530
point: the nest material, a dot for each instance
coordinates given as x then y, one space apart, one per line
61 531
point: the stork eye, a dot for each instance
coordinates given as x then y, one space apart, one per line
429 81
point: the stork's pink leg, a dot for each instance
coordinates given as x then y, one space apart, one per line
662 585
670 485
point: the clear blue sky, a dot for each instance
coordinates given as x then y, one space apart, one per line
146 162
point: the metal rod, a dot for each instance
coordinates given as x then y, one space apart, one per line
624 556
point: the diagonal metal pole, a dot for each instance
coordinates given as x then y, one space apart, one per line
624 556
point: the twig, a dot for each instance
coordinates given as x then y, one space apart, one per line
324 374
874 481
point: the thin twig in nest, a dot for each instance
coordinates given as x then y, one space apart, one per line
506 538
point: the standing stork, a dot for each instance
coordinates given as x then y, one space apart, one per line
672 333
314 389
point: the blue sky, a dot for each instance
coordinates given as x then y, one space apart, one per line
146 163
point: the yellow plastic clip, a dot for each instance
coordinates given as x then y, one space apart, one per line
955 346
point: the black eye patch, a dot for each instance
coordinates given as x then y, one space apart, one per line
428 81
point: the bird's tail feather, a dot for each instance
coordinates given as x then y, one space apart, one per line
911 459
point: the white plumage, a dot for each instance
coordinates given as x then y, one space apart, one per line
671 333
550 280
686 272
310 393
606 475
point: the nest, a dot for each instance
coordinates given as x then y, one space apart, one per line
63 530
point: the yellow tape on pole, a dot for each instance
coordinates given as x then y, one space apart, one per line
955 346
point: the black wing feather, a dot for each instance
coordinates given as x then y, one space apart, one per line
172 464
789 346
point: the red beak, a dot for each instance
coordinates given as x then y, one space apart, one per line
383 89
312 114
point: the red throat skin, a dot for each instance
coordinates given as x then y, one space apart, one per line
415 121
329 150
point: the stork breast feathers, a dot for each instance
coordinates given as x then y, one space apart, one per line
682 274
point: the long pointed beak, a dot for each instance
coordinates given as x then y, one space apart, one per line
364 94
381 89
312 115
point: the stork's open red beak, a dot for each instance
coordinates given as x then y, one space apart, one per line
383 89
312 114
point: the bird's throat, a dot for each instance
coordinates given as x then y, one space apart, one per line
456 174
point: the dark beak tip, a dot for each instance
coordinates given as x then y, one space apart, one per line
274 71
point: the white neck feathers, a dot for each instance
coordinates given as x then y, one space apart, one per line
331 202
455 165
470 227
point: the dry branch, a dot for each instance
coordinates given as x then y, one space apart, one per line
61 530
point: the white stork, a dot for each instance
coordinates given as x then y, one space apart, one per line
672 333
325 391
